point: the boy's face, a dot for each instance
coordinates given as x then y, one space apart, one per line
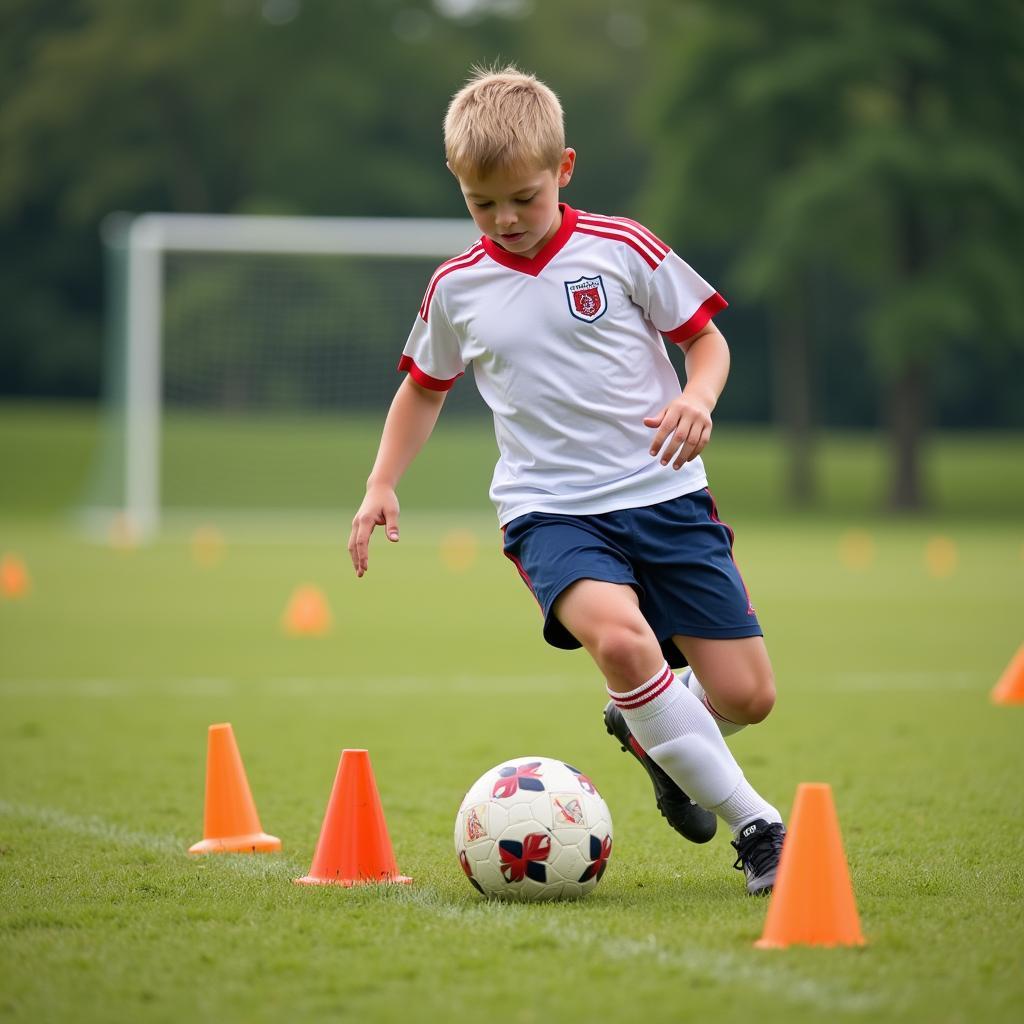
518 209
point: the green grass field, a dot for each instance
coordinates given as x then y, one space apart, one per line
115 663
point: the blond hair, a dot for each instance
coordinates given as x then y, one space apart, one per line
503 120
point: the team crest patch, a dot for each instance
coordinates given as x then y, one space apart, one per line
587 300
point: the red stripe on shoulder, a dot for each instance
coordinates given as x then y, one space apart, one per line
472 255
705 311
424 379
635 228
644 251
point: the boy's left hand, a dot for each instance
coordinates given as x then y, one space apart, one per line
683 429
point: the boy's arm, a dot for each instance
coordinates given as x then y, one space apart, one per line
684 425
410 421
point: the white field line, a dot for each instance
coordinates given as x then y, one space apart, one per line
412 684
764 971
115 688
909 680
315 686
768 975
94 827
289 686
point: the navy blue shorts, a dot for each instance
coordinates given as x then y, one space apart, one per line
676 555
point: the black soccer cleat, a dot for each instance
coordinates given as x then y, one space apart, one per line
758 850
690 820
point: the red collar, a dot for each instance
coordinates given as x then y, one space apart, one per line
533 266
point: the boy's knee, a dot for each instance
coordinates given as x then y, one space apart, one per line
620 648
757 698
744 697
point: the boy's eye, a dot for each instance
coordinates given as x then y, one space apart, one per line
485 204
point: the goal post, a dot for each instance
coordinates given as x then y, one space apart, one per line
271 312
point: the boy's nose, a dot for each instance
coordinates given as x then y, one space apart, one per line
505 218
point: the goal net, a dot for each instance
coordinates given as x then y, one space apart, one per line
237 345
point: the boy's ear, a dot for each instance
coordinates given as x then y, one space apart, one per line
565 168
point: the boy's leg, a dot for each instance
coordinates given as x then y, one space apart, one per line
669 722
734 679
725 726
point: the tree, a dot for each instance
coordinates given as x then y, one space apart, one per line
183 105
878 141
267 106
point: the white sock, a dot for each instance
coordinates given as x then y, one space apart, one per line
689 679
676 731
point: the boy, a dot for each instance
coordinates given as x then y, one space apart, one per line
600 489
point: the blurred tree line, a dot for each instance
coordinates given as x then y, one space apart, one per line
852 176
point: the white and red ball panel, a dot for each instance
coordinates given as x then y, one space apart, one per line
533 828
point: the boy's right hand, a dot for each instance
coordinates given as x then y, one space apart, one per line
379 508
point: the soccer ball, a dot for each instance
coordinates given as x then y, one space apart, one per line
533 828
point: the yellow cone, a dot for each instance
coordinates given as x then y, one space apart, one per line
207 546
459 550
941 557
856 549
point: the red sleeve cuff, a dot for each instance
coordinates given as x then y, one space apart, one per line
707 309
424 379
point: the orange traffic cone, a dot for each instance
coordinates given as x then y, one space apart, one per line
230 821
14 578
1010 688
124 532
354 846
207 546
812 902
307 613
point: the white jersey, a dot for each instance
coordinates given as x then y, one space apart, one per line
567 352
